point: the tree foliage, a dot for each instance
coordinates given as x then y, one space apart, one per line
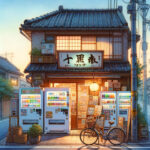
6 88
139 69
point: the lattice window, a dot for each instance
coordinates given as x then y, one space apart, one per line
117 48
68 43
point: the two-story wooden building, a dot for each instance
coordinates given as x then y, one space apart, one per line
85 50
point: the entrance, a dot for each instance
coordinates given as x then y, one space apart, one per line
78 100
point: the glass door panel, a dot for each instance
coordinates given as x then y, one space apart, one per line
83 98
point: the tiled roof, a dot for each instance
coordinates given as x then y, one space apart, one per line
6 66
108 67
78 19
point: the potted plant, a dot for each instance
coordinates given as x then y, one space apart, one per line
34 134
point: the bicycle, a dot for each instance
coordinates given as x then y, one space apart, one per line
115 135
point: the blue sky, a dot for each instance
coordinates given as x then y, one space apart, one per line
14 12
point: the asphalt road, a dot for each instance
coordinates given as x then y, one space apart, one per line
4 124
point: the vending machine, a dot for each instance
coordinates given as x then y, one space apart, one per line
124 103
30 107
108 101
56 110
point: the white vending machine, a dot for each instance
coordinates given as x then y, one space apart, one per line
56 110
124 103
30 107
108 101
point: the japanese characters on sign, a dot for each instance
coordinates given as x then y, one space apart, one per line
84 59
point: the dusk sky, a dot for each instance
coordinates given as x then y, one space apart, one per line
14 12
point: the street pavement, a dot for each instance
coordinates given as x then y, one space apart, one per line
4 125
77 147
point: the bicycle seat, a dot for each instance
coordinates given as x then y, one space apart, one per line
111 123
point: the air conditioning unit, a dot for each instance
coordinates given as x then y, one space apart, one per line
47 48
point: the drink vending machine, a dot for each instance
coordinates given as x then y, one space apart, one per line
108 101
124 104
30 107
56 110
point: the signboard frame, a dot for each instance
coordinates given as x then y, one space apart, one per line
97 51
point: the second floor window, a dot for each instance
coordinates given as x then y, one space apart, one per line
68 43
111 45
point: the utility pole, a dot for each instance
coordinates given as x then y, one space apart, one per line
132 11
144 48
144 10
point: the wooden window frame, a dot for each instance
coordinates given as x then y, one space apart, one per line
103 35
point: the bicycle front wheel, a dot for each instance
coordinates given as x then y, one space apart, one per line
116 136
88 136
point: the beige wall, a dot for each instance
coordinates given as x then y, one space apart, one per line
5 107
37 38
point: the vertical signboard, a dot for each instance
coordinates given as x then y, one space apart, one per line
56 110
30 107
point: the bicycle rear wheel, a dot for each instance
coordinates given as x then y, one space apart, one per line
88 136
116 136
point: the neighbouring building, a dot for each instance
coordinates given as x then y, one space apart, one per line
77 48
10 72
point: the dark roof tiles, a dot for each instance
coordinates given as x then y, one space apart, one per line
5 65
78 18
108 67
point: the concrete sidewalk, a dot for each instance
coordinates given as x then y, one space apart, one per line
4 125
64 139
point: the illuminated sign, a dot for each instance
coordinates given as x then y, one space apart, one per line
30 98
85 59
57 98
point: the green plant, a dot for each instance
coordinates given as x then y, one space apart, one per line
35 131
6 89
36 52
139 69
141 116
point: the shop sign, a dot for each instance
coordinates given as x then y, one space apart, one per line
85 59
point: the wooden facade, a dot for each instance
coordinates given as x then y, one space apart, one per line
44 69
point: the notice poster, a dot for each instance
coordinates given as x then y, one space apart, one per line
57 98
30 98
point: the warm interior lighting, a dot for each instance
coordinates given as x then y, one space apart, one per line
94 86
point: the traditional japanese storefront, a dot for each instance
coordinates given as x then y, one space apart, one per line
83 50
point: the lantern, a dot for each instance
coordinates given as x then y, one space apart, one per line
94 86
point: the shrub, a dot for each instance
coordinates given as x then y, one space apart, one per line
35 131
36 52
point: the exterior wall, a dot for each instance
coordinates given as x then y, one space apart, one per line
125 46
5 108
37 38
23 83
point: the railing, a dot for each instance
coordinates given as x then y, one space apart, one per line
43 59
